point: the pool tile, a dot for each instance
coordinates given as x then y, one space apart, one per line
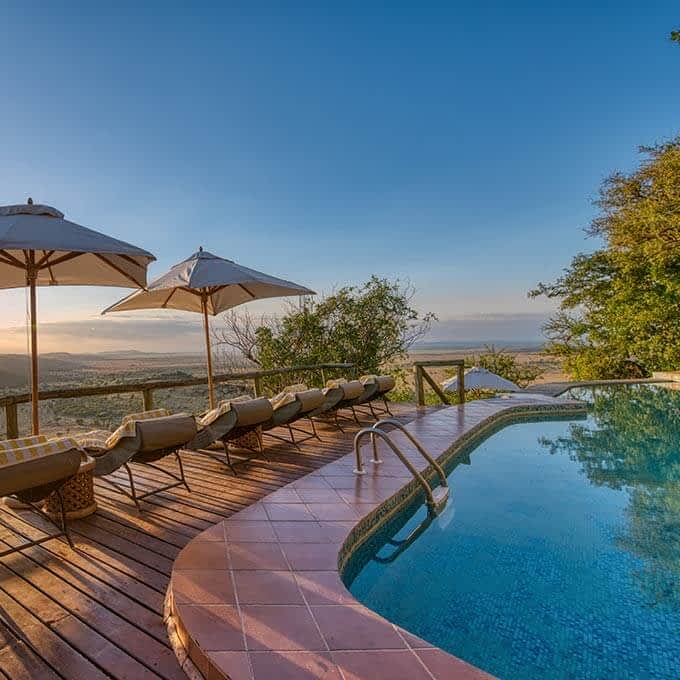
319 495
323 587
267 587
446 667
257 556
381 665
203 586
314 556
355 627
203 555
276 628
288 512
285 495
332 511
213 627
229 666
301 532
294 666
249 531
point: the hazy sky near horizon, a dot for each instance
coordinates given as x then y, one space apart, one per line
459 146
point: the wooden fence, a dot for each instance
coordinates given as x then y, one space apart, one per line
146 389
422 376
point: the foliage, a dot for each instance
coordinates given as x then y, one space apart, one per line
675 36
634 446
368 325
503 363
619 311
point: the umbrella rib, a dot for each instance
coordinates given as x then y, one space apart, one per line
122 272
167 299
64 258
11 260
43 260
254 297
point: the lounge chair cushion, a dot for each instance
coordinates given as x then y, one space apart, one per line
252 411
385 383
166 432
310 399
352 389
222 409
41 462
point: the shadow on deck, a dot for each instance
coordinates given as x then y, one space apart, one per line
96 612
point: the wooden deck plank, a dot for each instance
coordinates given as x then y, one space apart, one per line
96 612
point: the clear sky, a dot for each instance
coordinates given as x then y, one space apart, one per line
458 145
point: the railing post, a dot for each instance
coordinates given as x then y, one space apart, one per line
420 388
323 378
147 395
11 421
461 384
257 386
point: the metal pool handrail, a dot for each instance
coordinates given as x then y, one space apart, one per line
376 431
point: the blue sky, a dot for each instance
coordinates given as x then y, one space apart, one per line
459 146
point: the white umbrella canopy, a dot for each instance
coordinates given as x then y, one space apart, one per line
481 379
207 284
38 247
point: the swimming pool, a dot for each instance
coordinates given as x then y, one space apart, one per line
558 554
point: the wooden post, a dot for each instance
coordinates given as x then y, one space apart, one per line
206 322
147 395
420 388
323 378
35 397
11 421
461 384
257 386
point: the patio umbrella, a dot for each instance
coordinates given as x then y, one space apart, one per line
481 379
38 247
209 285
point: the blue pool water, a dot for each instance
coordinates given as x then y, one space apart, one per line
558 555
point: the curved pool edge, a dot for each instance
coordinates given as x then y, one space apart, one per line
262 591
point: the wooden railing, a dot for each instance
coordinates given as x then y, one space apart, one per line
146 389
422 375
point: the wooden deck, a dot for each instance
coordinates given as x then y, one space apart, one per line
96 612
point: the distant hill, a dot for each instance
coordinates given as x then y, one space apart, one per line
15 369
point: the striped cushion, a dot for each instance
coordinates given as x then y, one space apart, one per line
103 440
38 447
145 415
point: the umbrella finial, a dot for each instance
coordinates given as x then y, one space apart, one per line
200 249
29 201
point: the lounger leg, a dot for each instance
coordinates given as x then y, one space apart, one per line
356 418
316 434
228 457
337 422
373 413
181 471
133 494
387 406
292 437
64 526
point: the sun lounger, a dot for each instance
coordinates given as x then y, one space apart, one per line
374 387
288 406
30 470
142 438
231 423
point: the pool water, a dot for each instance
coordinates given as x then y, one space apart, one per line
558 555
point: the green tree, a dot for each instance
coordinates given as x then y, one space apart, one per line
369 326
619 307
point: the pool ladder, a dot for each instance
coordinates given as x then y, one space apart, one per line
435 498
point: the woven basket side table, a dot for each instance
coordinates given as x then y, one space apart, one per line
77 492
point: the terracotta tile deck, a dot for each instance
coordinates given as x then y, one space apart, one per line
97 611
285 612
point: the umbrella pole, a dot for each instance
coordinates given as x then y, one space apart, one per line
206 325
34 345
